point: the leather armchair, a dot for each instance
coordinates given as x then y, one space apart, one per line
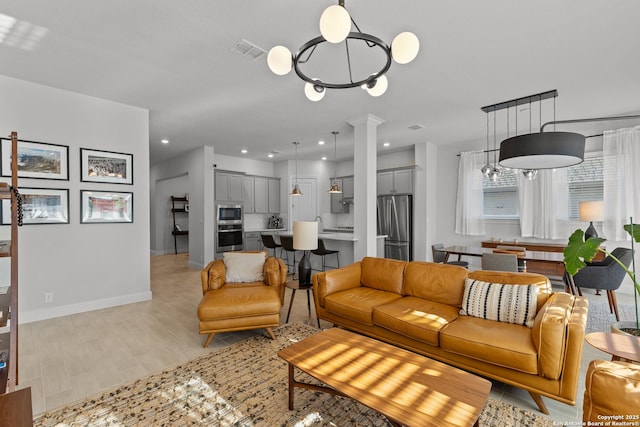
611 389
234 306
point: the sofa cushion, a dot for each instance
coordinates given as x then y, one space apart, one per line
497 301
436 282
357 304
244 267
502 344
383 274
415 318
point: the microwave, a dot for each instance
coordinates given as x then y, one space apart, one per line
229 214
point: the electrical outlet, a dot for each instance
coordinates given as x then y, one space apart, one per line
48 297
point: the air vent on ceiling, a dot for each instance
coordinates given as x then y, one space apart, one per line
416 127
248 50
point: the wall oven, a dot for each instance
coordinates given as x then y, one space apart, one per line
229 228
229 238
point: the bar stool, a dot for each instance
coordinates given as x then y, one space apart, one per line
287 246
269 243
323 252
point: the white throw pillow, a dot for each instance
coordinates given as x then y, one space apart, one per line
244 267
504 303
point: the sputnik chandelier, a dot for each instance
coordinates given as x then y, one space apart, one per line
335 27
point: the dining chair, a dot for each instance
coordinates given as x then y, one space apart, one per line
522 264
439 256
500 262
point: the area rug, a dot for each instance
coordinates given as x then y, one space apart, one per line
244 384
600 317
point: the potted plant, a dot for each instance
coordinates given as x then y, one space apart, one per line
578 252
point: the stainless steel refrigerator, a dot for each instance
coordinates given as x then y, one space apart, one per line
396 221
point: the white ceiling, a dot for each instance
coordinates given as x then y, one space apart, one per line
174 58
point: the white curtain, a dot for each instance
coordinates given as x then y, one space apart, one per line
543 202
621 149
470 197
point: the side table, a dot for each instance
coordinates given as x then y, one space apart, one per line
294 285
619 346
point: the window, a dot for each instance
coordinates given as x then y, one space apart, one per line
501 197
585 183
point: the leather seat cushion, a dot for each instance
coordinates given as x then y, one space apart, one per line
233 302
415 318
498 343
357 303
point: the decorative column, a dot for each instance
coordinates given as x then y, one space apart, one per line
365 138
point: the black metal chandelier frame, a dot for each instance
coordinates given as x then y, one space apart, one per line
319 85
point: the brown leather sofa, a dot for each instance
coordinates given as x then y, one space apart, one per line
235 306
612 393
416 305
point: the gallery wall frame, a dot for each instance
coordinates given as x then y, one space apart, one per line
98 207
106 166
39 206
37 160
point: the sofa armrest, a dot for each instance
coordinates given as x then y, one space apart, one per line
611 389
558 334
275 274
332 281
213 276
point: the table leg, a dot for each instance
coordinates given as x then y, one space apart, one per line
446 257
293 293
309 302
291 386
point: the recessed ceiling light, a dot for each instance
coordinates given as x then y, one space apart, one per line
270 155
243 151
321 142
324 157
164 141
386 144
416 127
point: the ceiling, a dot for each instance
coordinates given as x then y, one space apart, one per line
175 59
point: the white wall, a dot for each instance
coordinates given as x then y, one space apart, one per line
197 165
85 266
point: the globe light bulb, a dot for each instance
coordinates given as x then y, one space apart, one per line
405 47
312 93
335 24
279 60
380 86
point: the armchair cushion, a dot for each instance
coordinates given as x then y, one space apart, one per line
244 267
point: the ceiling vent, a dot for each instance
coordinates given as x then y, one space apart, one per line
416 127
248 50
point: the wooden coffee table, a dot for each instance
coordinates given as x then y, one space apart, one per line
407 388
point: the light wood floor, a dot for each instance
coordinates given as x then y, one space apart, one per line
73 357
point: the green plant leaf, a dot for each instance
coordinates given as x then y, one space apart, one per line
636 231
578 251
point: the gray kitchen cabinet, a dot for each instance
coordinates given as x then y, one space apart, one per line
252 241
248 194
347 187
229 186
274 195
398 181
261 194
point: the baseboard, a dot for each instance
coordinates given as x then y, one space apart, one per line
65 310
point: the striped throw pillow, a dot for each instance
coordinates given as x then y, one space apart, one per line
496 301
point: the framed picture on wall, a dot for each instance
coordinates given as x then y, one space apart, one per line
106 166
36 160
40 206
105 207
